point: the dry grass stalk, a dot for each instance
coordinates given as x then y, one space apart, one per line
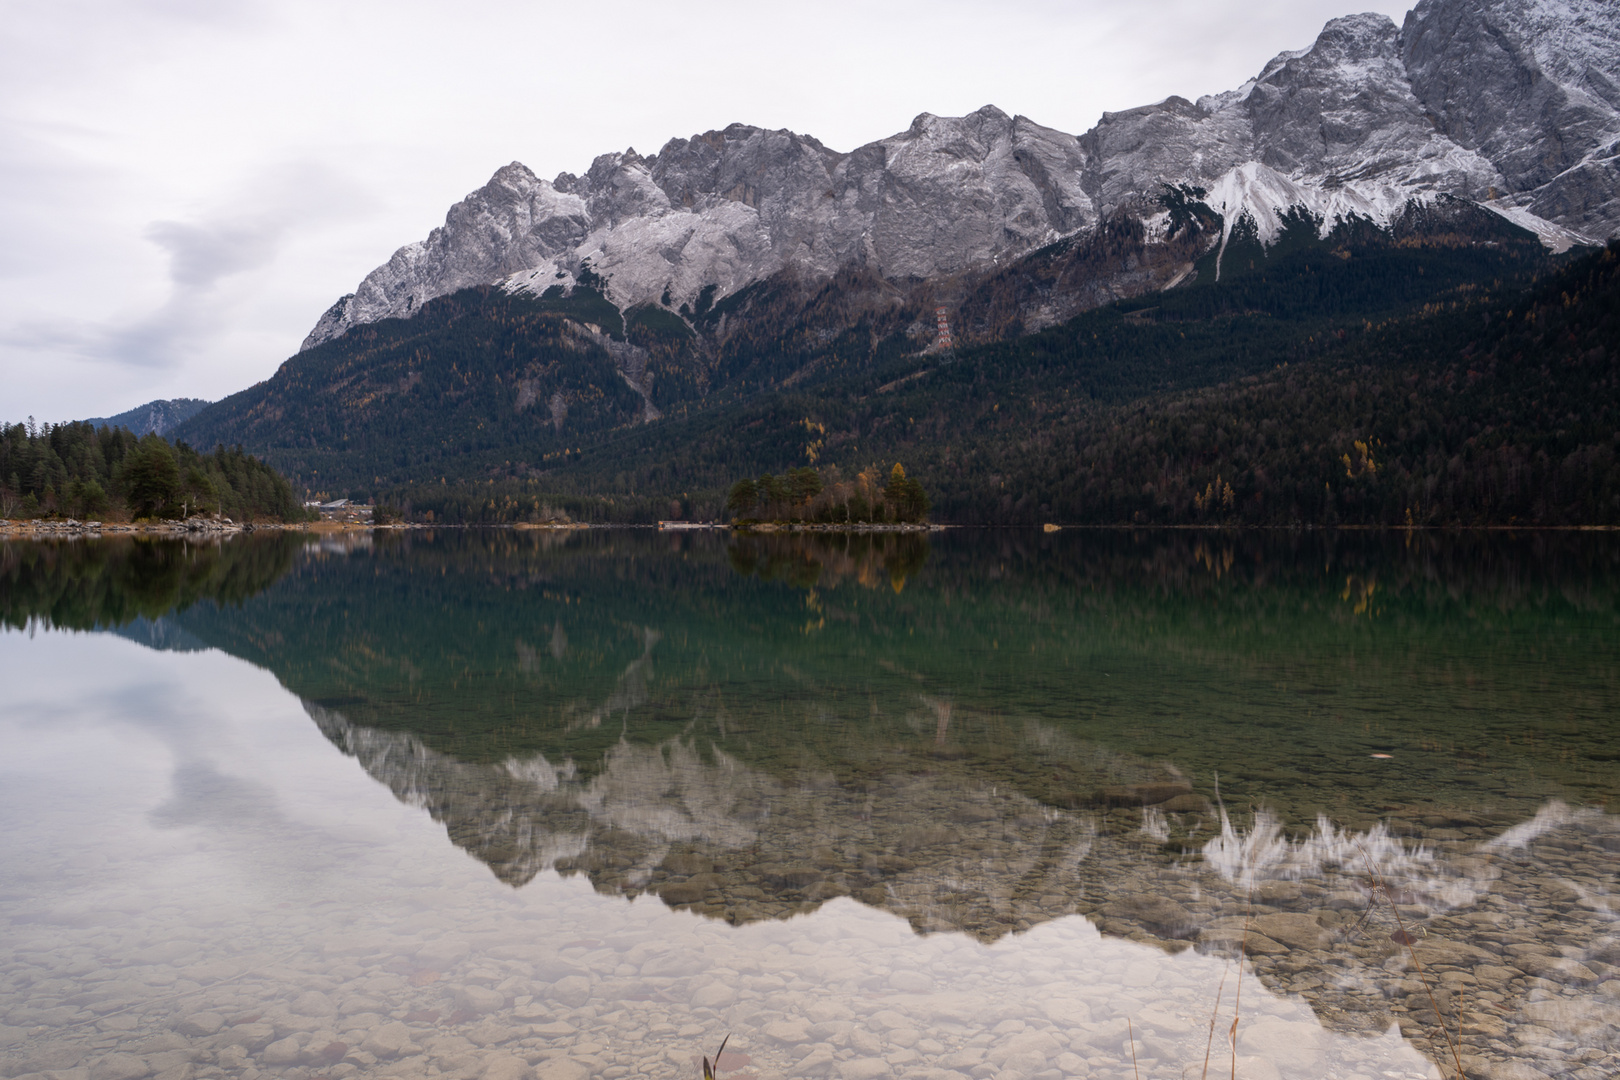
1243 951
1209 1044
1237 996
1131 1032
708 1067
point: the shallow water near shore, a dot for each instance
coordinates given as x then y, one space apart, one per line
527 806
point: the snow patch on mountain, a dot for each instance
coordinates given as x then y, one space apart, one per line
1266 196
1555 237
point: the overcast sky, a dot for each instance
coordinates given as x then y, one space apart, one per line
185 185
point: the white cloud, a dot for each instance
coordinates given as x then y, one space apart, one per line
186 185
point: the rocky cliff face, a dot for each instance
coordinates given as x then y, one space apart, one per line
1533 86
1514 104
728 208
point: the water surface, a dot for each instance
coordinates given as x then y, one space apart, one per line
514 804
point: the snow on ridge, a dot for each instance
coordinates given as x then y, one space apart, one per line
675 251
1265 197
1554 237
539 279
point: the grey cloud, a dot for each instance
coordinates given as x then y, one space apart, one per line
293 198
149 342
161 339
201 254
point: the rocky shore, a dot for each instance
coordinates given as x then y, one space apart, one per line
42 527
45 529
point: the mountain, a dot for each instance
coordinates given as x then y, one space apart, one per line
155 417
749 299
1513 104
1280 397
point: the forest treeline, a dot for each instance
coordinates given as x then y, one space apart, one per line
79 471
518 502
1485 414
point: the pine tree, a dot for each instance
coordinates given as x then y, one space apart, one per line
150 477
743 499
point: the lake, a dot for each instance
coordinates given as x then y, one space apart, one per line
503 805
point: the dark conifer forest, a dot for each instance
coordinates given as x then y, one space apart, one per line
79 471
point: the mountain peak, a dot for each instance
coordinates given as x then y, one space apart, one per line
1533 86
1514 104
1358 37
515 174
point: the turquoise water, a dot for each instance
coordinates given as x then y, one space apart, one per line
995 803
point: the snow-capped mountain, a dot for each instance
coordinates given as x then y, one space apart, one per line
1511 104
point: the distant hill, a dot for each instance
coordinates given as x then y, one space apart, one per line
155 417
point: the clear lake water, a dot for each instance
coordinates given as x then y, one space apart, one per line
532 805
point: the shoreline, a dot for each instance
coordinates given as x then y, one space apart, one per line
769 527
41 529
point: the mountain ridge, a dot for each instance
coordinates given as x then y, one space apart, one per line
1514 105
155 417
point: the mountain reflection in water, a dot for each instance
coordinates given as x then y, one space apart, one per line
949 846
1340 756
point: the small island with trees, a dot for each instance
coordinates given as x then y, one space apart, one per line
823 498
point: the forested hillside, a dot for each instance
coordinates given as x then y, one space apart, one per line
474 378
1505 413
1485 405
1435 370
76 470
